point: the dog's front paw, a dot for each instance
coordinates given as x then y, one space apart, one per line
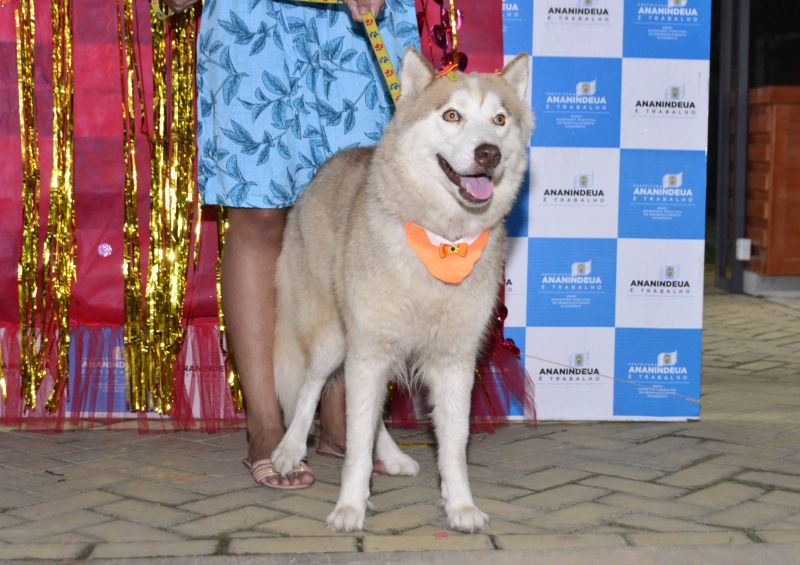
347 518
468 519
400 464
286 456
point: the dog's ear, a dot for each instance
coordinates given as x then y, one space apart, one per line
516 74
416 73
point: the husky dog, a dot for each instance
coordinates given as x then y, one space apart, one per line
392 257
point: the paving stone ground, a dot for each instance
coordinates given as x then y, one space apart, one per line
731 479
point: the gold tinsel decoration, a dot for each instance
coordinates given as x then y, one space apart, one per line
58 265
131 266
172 207
44 295
154 324
31 368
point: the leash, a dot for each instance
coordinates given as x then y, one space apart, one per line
370 26
378 48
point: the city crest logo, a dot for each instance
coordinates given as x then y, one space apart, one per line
584 181
578 360
668 284
672 180
668 359
676 92
578 12
581 268
582 192
670 272
586 88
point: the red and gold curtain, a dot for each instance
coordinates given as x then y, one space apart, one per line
108 282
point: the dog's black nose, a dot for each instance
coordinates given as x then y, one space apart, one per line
487 155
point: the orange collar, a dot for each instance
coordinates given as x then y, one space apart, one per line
450 262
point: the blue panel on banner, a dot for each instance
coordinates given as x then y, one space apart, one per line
110 364
657 372
517 220
668 29
518 26
662 194
518 335
576 101
571 282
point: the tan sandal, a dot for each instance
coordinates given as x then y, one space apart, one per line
262 470
377 466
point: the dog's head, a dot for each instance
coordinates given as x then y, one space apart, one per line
460 146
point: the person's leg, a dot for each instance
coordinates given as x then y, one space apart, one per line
332 419
252 245
332 423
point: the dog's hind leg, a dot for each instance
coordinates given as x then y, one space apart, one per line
366 375
326 356
450 382
395 462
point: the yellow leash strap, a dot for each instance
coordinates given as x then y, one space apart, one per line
385 63
371 26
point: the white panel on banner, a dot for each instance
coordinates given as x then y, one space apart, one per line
591 28
574 192
660 283
572 371
608 231
664 104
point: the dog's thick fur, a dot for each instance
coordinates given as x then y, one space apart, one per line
352 292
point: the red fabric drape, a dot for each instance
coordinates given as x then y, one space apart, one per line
96 312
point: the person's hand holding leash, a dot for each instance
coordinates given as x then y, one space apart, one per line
180 5
360 7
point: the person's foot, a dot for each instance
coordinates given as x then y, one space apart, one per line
265 475
330 446
331 449
260 448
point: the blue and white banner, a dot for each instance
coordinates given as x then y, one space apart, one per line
604 284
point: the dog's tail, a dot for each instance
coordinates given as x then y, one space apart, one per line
289 359
290 369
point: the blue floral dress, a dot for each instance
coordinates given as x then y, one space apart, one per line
282 86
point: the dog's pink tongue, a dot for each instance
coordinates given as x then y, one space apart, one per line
480 188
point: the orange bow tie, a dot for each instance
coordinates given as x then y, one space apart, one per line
450 262
459 249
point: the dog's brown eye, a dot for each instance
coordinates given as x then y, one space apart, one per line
499 120
451 115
